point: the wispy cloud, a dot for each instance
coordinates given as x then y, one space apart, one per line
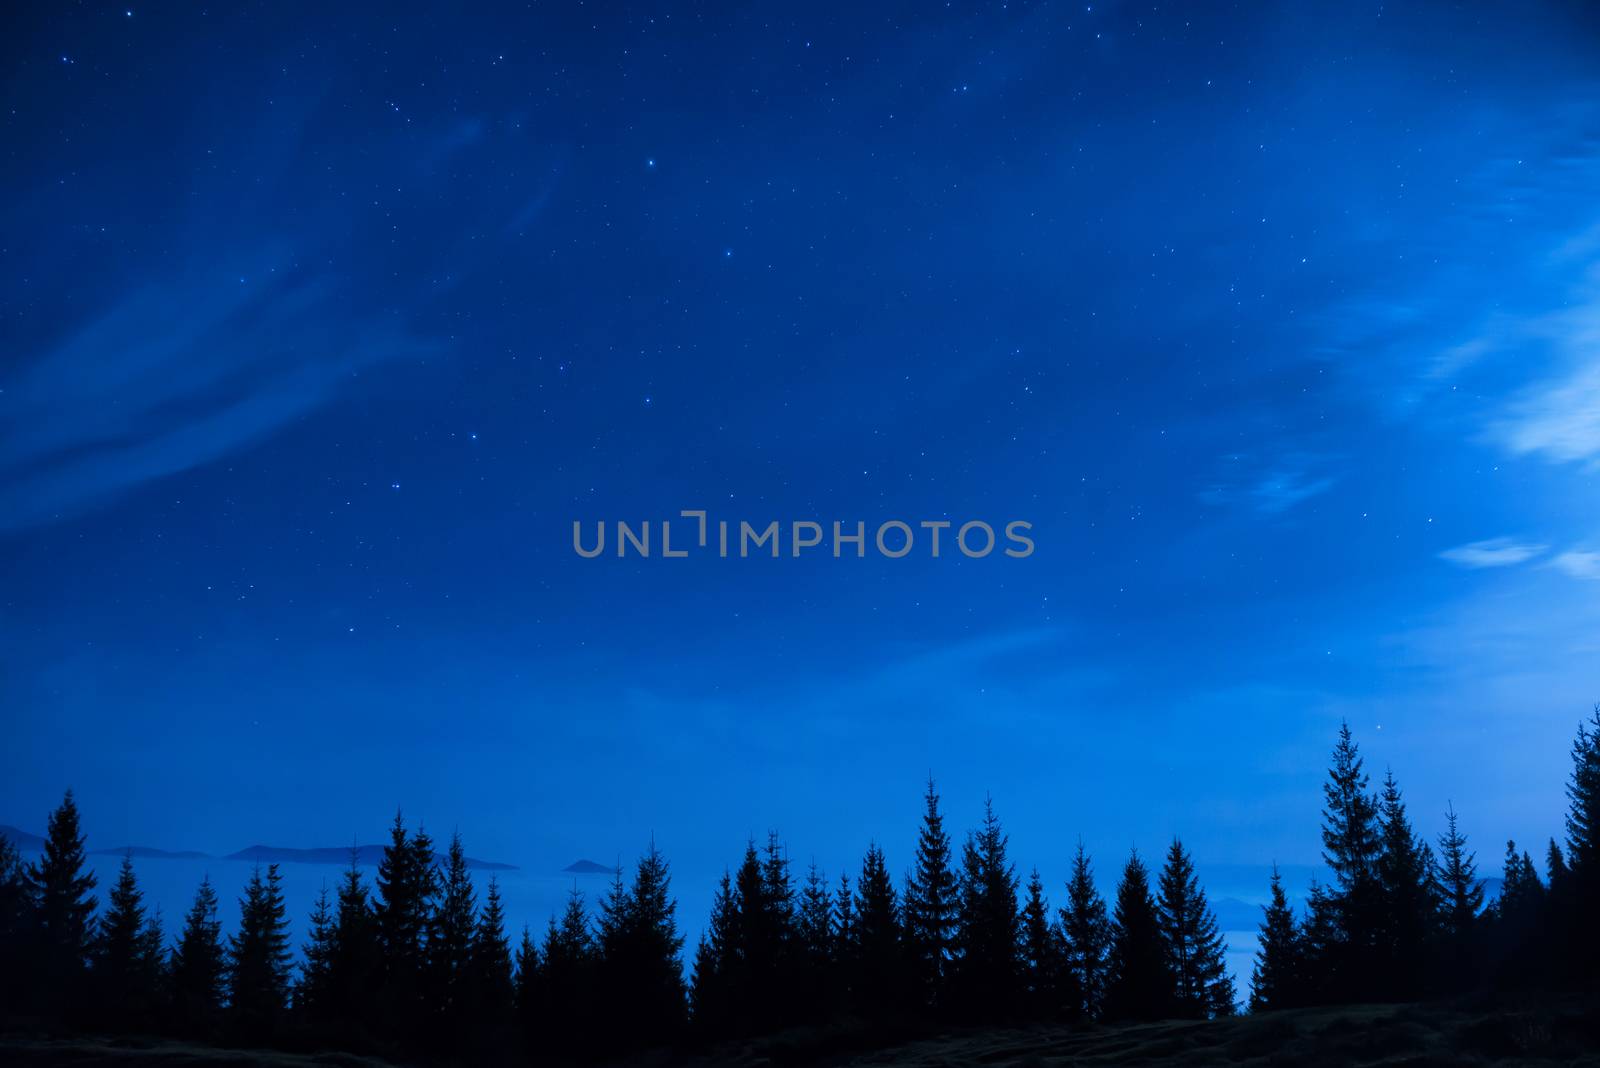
172 376
1495 552
1579 563
1560 420
1270 488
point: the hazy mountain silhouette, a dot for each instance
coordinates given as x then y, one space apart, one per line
366 855
589 867
25 842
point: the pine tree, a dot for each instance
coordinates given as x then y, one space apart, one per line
844 930
877 964
988 965
449 947
1140 984
714 993
199 966
259 957
490 980
1275 980
930 906
401 916
815 931
1088 940
1583 794
1457 877
356 967
566 982
1521 891
529 991
59 888
313 991
1196 954
1042 954
1405 880
1321 947
124 970
639 953
1352 848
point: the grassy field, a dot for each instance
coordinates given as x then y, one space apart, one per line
1471 1032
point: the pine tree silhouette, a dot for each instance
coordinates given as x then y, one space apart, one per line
127 970
988 966
1460 907
716 988
566 983
1140 984
1405 880
931 900
639 947
1043 956
259 958
490 985
529 992
356 967
60 890
1275 979
1196 954
877 962
402 913
1351 848
814 928
449 947
198 966
313 993
1087 932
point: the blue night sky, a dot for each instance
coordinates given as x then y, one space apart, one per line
320 326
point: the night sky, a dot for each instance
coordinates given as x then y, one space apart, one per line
320 326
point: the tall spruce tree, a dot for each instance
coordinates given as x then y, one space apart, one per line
1583 813
1352 848
1460 907
313 991
877 961
931 901
1405 880
59 887
1456 874
449 949
1140 984
1087 932
714 990
1043 959
639 953
1195 951
490 979
566 1006
198 967
988 966
259 957
1275 979
528 994
401 915
815 931
127 969
1321 947
356 968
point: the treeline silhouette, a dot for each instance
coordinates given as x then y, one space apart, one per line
414 966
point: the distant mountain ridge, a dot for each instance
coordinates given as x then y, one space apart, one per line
589 867
366 855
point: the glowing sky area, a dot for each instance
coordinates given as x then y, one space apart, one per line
319 327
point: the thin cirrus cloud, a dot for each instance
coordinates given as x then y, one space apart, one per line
1495 552
170 377
1579 563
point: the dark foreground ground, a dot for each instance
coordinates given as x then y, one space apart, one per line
1565 1031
